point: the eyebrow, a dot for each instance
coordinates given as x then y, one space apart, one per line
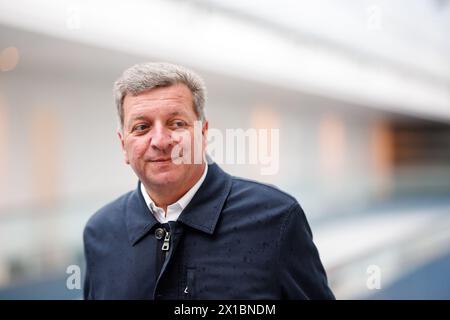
177 113
139 117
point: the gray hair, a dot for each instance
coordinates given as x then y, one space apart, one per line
146 76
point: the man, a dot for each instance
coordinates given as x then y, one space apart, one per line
189 230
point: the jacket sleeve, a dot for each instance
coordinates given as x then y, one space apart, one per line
300 271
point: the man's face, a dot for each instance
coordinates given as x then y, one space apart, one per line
157 122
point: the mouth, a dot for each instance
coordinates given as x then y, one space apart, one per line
161 160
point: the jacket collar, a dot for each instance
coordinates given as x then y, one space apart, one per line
202 212
138 218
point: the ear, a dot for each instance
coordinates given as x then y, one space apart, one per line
205 128
122 144
204 133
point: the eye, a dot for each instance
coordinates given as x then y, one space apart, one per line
140 128
179 123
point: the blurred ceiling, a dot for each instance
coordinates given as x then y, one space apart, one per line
389 55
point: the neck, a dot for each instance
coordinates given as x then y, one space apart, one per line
167 195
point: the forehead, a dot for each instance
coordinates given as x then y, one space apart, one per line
163 100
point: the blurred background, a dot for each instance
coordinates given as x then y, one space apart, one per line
359 90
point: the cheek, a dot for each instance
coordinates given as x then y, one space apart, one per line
135 149
183 140
181 136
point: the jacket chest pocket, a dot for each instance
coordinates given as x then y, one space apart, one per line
189 283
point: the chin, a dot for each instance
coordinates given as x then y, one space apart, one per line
162 178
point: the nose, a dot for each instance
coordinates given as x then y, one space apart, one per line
161 138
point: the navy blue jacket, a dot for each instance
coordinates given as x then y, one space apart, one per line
236 239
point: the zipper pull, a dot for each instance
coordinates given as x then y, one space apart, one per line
166 244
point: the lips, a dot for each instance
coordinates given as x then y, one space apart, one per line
161 160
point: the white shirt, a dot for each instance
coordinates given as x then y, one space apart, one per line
174 210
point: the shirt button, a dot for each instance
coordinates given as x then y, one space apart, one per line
159 233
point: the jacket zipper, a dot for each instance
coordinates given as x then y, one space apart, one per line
166 244
166 249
